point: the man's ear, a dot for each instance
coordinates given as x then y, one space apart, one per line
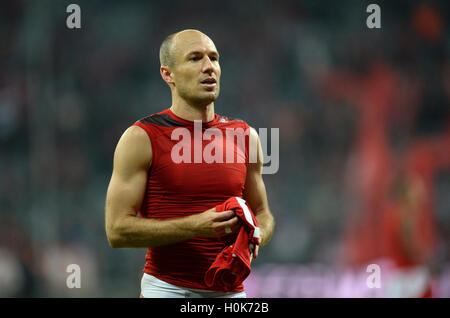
166 74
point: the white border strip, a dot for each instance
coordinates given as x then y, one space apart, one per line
248 215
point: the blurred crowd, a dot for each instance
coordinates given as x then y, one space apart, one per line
363 116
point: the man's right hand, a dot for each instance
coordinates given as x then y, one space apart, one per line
215 224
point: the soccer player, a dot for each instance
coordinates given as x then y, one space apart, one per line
160 175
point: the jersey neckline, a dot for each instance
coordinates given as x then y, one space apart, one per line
191 122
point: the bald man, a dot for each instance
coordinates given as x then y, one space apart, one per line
176 200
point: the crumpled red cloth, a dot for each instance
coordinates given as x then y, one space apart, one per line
232 266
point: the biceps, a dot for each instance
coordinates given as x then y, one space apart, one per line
255 193
125 195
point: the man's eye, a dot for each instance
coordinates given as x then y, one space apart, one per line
195 58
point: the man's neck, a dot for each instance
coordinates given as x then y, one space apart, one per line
189 112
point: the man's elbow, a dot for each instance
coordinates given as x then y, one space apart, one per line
114 236
114 241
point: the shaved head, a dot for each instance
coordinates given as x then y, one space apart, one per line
165 51
168 46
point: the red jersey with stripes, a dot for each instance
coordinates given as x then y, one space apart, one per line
191 172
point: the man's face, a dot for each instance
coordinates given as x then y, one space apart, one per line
197 71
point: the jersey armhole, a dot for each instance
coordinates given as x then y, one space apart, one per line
150 135
247 141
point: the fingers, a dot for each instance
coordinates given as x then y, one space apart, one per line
226 223
236 228
254 250
225 215
229 226
232 223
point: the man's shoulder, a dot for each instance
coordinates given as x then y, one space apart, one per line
223 118
232 121
135 134
134 144
161 119
238 123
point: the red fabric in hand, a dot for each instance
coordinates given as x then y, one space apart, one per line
232 265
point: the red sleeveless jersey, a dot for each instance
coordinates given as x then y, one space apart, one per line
191 173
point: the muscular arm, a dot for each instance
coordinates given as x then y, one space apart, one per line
256 196
132 159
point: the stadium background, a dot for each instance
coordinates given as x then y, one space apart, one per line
355 108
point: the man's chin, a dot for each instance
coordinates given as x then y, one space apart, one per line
206 99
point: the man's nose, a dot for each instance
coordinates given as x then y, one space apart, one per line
208 66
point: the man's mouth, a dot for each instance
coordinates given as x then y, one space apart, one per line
209 82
